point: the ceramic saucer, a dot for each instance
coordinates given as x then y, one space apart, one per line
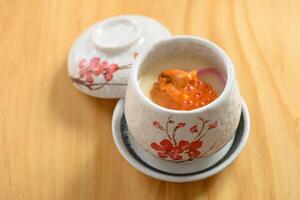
197 169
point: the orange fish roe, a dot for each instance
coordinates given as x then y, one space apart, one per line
181 90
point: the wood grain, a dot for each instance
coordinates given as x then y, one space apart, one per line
56 143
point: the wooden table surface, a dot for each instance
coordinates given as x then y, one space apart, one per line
56 143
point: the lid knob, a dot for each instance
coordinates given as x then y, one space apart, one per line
115 35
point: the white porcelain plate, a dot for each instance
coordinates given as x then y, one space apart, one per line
198 169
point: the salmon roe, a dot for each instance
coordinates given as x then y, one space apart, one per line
181 90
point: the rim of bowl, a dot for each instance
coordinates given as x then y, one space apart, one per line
201 41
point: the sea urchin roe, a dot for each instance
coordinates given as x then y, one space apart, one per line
181 90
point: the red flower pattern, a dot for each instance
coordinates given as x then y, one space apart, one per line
193 149
166 149
108 71
169 148
194 129
156 124
95 67
213 125
181 124
92 68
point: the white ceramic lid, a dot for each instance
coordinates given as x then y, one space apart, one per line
100 59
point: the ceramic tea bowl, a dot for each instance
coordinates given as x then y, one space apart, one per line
176 135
